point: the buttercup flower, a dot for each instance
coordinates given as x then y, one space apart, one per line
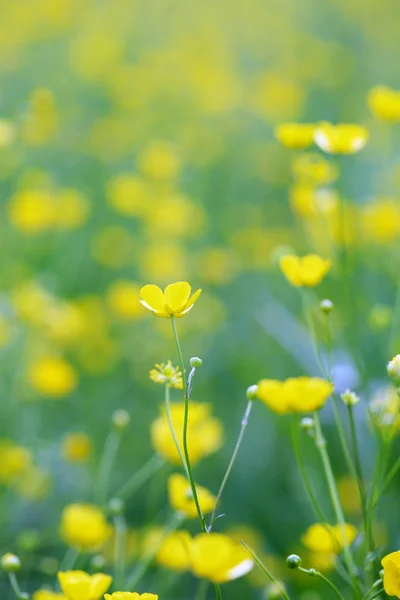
384 103
166 373
313 169
391 574
52 376
78 585
341 139
204 432
174 301
174 551
84 526
295 135
325 538
48 595
306 271
295 395
217 557
181 499
76 447
14 461
130 596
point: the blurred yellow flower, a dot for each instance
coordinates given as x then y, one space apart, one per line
349 494
7 133
174 551
130 596
181 498
76 447
166 373
307 201
218 265
204 432
129 195
160 161
78 585
324 538
123 299
306 271
52 376
113 247
341 139
163 261
175 214
380 221
31 211
384 103
14 461
391 573
42 119
322 561
217 557
295 135
313 169
35 484
32 301
174 301
84 526
71 210
294 395
48 595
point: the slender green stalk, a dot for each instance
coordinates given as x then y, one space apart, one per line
360 479
372 588
388 479
172 430
378 593
185 429
119 551
231 462
342 435
315 573
217 591
202 588
266 572
140 477
107 460
69 560
320 443
15 587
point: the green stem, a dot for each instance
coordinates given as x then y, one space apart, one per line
360 480
388 480
266 572
378 593
15 586
146 471
231 462
69 560
320 443
342 435
107 460
185 429
315 573
201 592
217 591
172 430
374 585
119 551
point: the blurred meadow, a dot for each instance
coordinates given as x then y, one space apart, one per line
138 146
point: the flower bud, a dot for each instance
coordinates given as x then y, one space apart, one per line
120 419
23 596
116 506
195 362
252 392
393 367
307 423
312 572
326 306
293 561
10 563
350 398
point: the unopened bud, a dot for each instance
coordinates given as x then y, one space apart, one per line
252 392
393 367
350 398
116 506
195 362
326 306
293 561
10 563
120 419
307 423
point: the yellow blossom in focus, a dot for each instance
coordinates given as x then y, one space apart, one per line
78 585
48 595
14 461
325 538
295 135
72 210
380 221
174 551
294 395
166 373
129 195
313 169
217 557
341 139
130 596
181 498
306 271
31 211
204 432
349 494
123 299
384 103
76 447
160 161
174 301
52 376
84 526
391 573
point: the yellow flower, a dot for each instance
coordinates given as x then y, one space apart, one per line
294 395
204 432
14 461
72 210
48 595
217 557
31 211
322 561
78 585
112 247
384 103
295 135
306 271
174 301
129 195
391 573
181 498
76 447
341 139
7 133
130 596
123 300
313 169
328 539
84 526
34 484
349 494
52 376
380 221
160 161
166 373
174 551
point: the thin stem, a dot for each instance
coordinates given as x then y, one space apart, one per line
201 592
231 462
315 573
119 551
185 429
378 593
217 591
266 572
69 560
388 479
374 585
111 447
360 479
15 585
146 471
342 435
172 430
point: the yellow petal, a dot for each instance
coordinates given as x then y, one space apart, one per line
76 585
176 296
100 584
152 298
192 299
290 267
